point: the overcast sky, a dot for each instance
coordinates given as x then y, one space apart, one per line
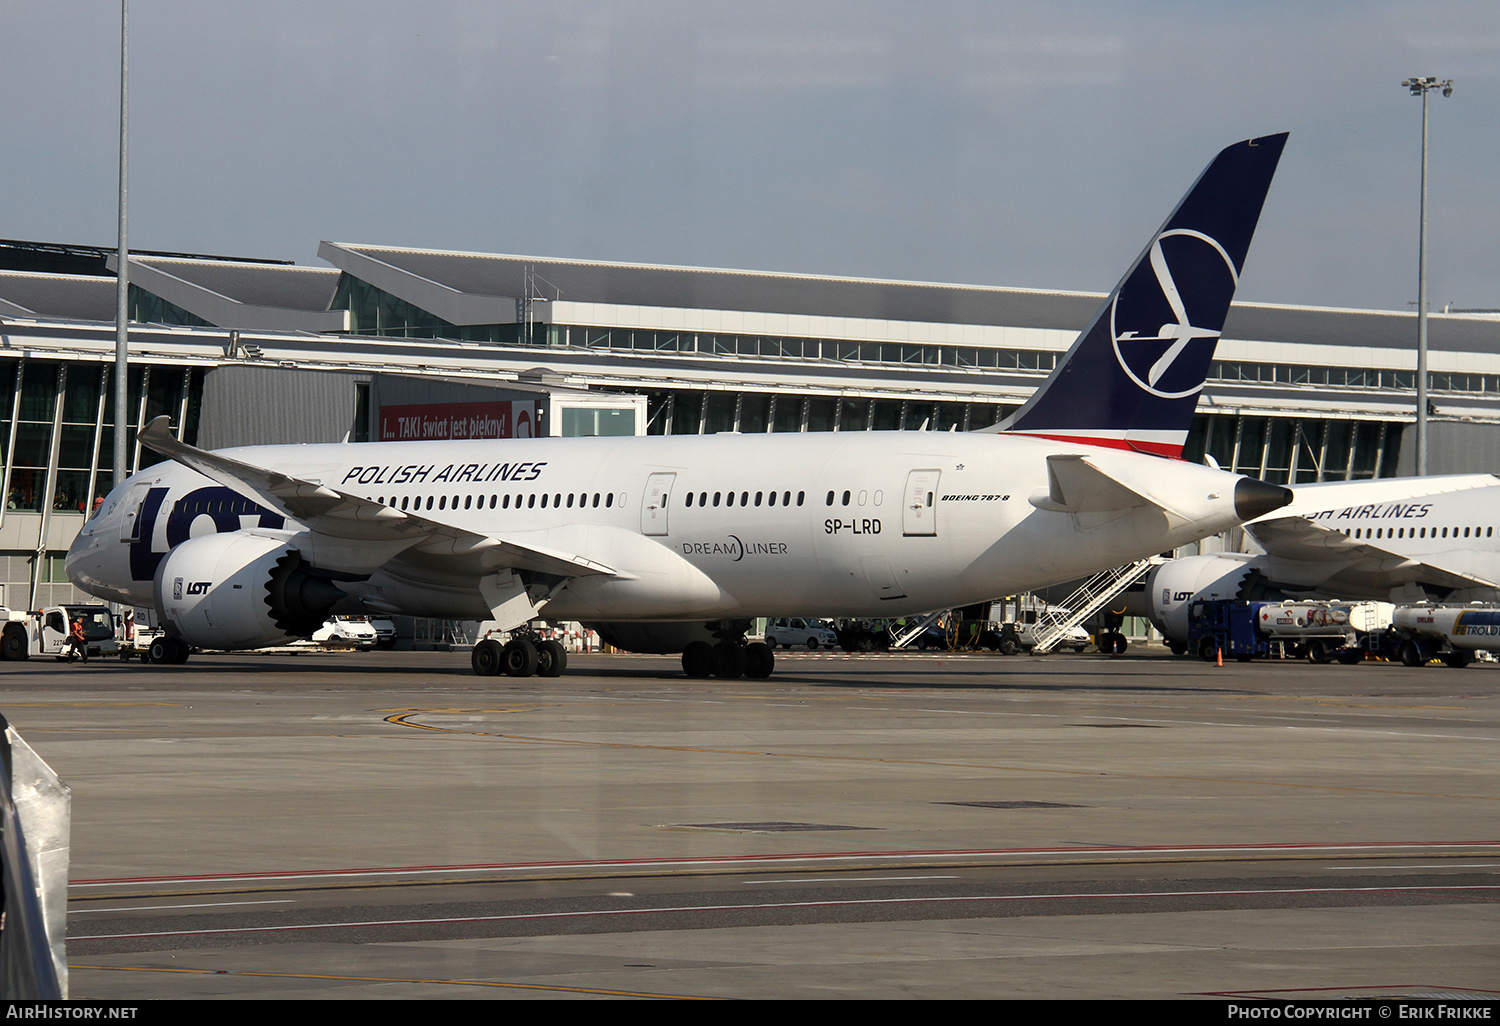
1027 144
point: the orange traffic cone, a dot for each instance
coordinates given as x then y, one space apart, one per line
1221 659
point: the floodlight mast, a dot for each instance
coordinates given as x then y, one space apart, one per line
122 260
1421 87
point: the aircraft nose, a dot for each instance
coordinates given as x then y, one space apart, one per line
1254 498
79 551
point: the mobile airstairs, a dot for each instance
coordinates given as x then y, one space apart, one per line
1053 625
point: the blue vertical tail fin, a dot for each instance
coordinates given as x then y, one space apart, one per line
1132 377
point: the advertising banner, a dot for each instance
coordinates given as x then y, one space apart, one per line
428 422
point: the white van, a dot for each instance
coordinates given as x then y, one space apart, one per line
346 632
799 632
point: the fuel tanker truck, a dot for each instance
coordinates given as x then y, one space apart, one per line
1318 630
1450 633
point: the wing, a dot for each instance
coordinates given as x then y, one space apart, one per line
1299 539
357 522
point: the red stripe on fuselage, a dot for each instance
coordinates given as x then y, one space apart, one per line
1166 449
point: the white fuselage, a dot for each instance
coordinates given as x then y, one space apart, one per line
699 527
1412 527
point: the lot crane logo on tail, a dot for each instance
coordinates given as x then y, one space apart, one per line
1163 356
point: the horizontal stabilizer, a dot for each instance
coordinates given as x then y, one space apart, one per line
350 518
1077 486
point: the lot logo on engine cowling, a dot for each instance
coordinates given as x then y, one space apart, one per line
1166 318
193 588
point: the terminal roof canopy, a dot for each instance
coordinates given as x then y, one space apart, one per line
63 297
481 288
467 289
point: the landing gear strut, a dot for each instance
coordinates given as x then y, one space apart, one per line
730 658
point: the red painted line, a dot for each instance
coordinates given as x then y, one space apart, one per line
1106 442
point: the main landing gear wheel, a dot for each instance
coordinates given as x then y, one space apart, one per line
759 661
551 659
729 657
698 660
729 660
486 659
519 657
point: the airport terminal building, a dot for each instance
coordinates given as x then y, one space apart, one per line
390 343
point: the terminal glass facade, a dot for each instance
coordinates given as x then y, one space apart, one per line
376 312
1285 450
59 454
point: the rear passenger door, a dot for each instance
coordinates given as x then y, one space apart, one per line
919 505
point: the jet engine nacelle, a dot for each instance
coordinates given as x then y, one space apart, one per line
1172 587
237 590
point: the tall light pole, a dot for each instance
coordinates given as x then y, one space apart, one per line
122 283
1421 87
